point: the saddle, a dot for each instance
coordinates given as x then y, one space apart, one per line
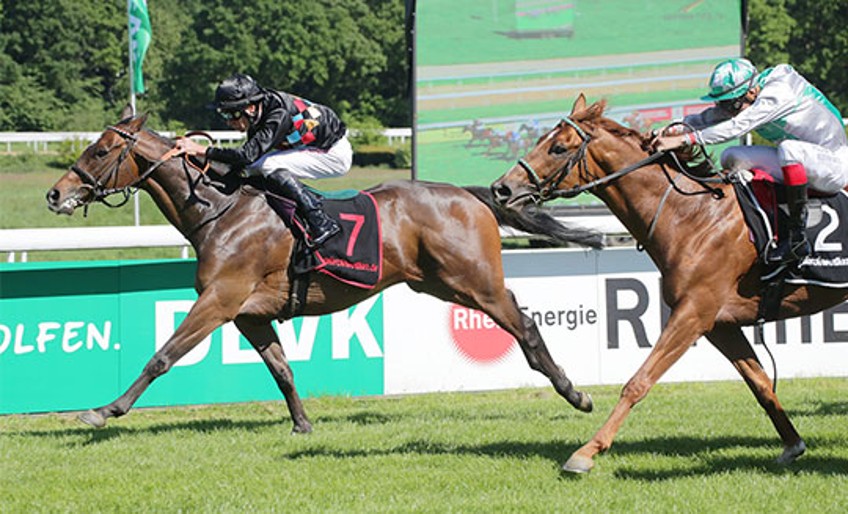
354 256
763 205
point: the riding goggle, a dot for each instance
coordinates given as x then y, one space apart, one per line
230 115
732 105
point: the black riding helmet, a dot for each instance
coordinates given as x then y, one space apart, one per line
236 92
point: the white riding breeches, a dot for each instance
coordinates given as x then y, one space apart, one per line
306 162
827 170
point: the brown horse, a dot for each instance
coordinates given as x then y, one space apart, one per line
699 243
438 239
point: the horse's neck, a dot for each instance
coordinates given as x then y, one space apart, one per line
185 197
645 202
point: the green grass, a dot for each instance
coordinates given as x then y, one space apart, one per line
700 447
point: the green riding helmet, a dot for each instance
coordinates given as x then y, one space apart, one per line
730 79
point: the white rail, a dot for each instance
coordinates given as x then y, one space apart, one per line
23 240
38 140
18 242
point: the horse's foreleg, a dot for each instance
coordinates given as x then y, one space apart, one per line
683 328
204 317
733 344
264 339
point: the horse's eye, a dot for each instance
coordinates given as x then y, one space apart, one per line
101 152
558 149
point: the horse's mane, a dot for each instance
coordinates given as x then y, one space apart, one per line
219 168
592 116
162 139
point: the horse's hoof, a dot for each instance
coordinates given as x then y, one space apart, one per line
791 453
586 404
304 428
578 464
92 418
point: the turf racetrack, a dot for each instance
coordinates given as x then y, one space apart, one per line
700 447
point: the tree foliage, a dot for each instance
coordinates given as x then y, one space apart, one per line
818 46
63 62
808 35
60 61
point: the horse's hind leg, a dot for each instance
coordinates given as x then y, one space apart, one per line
264 339
733 344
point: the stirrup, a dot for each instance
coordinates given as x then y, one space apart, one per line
328 230
789 252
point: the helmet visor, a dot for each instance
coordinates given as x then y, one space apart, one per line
736 92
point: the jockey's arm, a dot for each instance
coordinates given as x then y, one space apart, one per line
271 132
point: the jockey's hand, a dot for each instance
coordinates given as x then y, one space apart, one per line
651 138
668 143
190 147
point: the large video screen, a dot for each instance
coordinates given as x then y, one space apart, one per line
492 75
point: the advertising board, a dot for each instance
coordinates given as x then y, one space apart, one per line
75 335
600 314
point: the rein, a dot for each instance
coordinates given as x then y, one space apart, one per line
98 187
548 187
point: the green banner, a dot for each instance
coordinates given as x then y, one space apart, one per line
140 35
76 335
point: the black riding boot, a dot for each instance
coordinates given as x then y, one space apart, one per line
308 206
797 247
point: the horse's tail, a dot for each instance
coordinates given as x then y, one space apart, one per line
537 222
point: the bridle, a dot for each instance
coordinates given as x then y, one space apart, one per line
98 185
548 188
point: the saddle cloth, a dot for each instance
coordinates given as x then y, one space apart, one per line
763 205
354 255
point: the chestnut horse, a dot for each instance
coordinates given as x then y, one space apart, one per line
438 239
699 243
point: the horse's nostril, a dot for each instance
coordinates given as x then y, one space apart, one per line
500 191
53 195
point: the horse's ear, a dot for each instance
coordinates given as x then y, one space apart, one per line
579 104
127 112
137 123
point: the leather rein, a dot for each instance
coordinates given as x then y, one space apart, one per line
98 185
548 188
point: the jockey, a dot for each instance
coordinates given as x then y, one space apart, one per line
288 138
785 109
